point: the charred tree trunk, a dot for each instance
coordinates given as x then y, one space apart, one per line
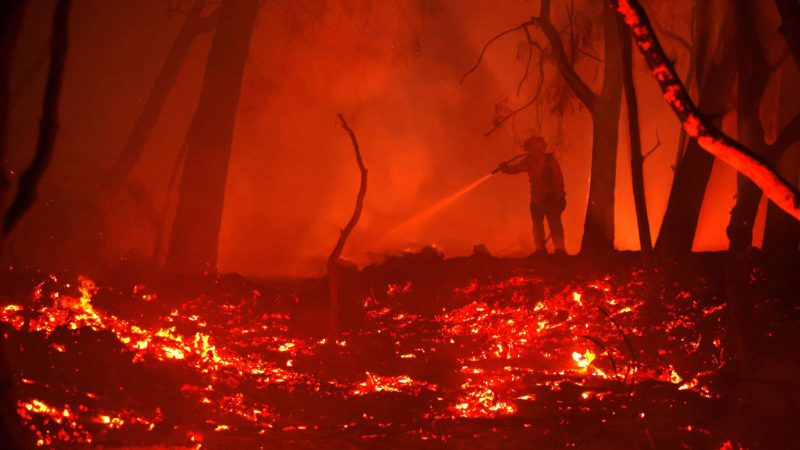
48 127
692 174
194 25
11 14
637 162
782 231
598 229
753 70
790 25
736 155
195 233
333 260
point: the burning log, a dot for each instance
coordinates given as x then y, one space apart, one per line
696 125
333 281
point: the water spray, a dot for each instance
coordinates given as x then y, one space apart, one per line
445 202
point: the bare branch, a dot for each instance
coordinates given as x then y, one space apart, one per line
696 125
655 147
513 113
578 86
530 56
333 281
480 58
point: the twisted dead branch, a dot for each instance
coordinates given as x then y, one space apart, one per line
333 280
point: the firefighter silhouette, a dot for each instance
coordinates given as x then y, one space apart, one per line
548 199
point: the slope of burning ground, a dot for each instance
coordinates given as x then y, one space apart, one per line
476 352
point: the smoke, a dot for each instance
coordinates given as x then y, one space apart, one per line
392 69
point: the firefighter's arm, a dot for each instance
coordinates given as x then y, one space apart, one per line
517 167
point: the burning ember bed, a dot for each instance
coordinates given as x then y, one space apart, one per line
463 353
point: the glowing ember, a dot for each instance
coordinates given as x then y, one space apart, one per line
507 354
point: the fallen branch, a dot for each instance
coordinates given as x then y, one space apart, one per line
333 281
696 125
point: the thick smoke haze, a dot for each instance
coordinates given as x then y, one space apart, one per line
392 68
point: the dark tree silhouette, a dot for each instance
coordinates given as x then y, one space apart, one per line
48 127
715 78
194 25
195 233
11 14
709 137
333 260
753 78
782 231
790 25
637 161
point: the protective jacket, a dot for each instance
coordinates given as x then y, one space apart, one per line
546 179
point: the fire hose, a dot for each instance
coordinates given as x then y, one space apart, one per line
509 161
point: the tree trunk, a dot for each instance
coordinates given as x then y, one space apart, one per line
192 27
790 26
598 228
637 171
753 70
715 81
48 127
11 14
195 232
782 231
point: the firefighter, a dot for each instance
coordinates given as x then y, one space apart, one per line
547 192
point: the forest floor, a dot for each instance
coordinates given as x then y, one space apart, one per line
478 352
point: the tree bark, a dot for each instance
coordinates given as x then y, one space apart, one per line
11 15
48 127
598 227
694 171
637 163
195 233
754 74
194 25
790 26
782 231
333 278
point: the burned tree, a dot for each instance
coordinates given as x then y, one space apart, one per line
604 108
637 161
48 127
698 126
195 233
333 259
194 25
715 64
11 14
754 75
782 231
